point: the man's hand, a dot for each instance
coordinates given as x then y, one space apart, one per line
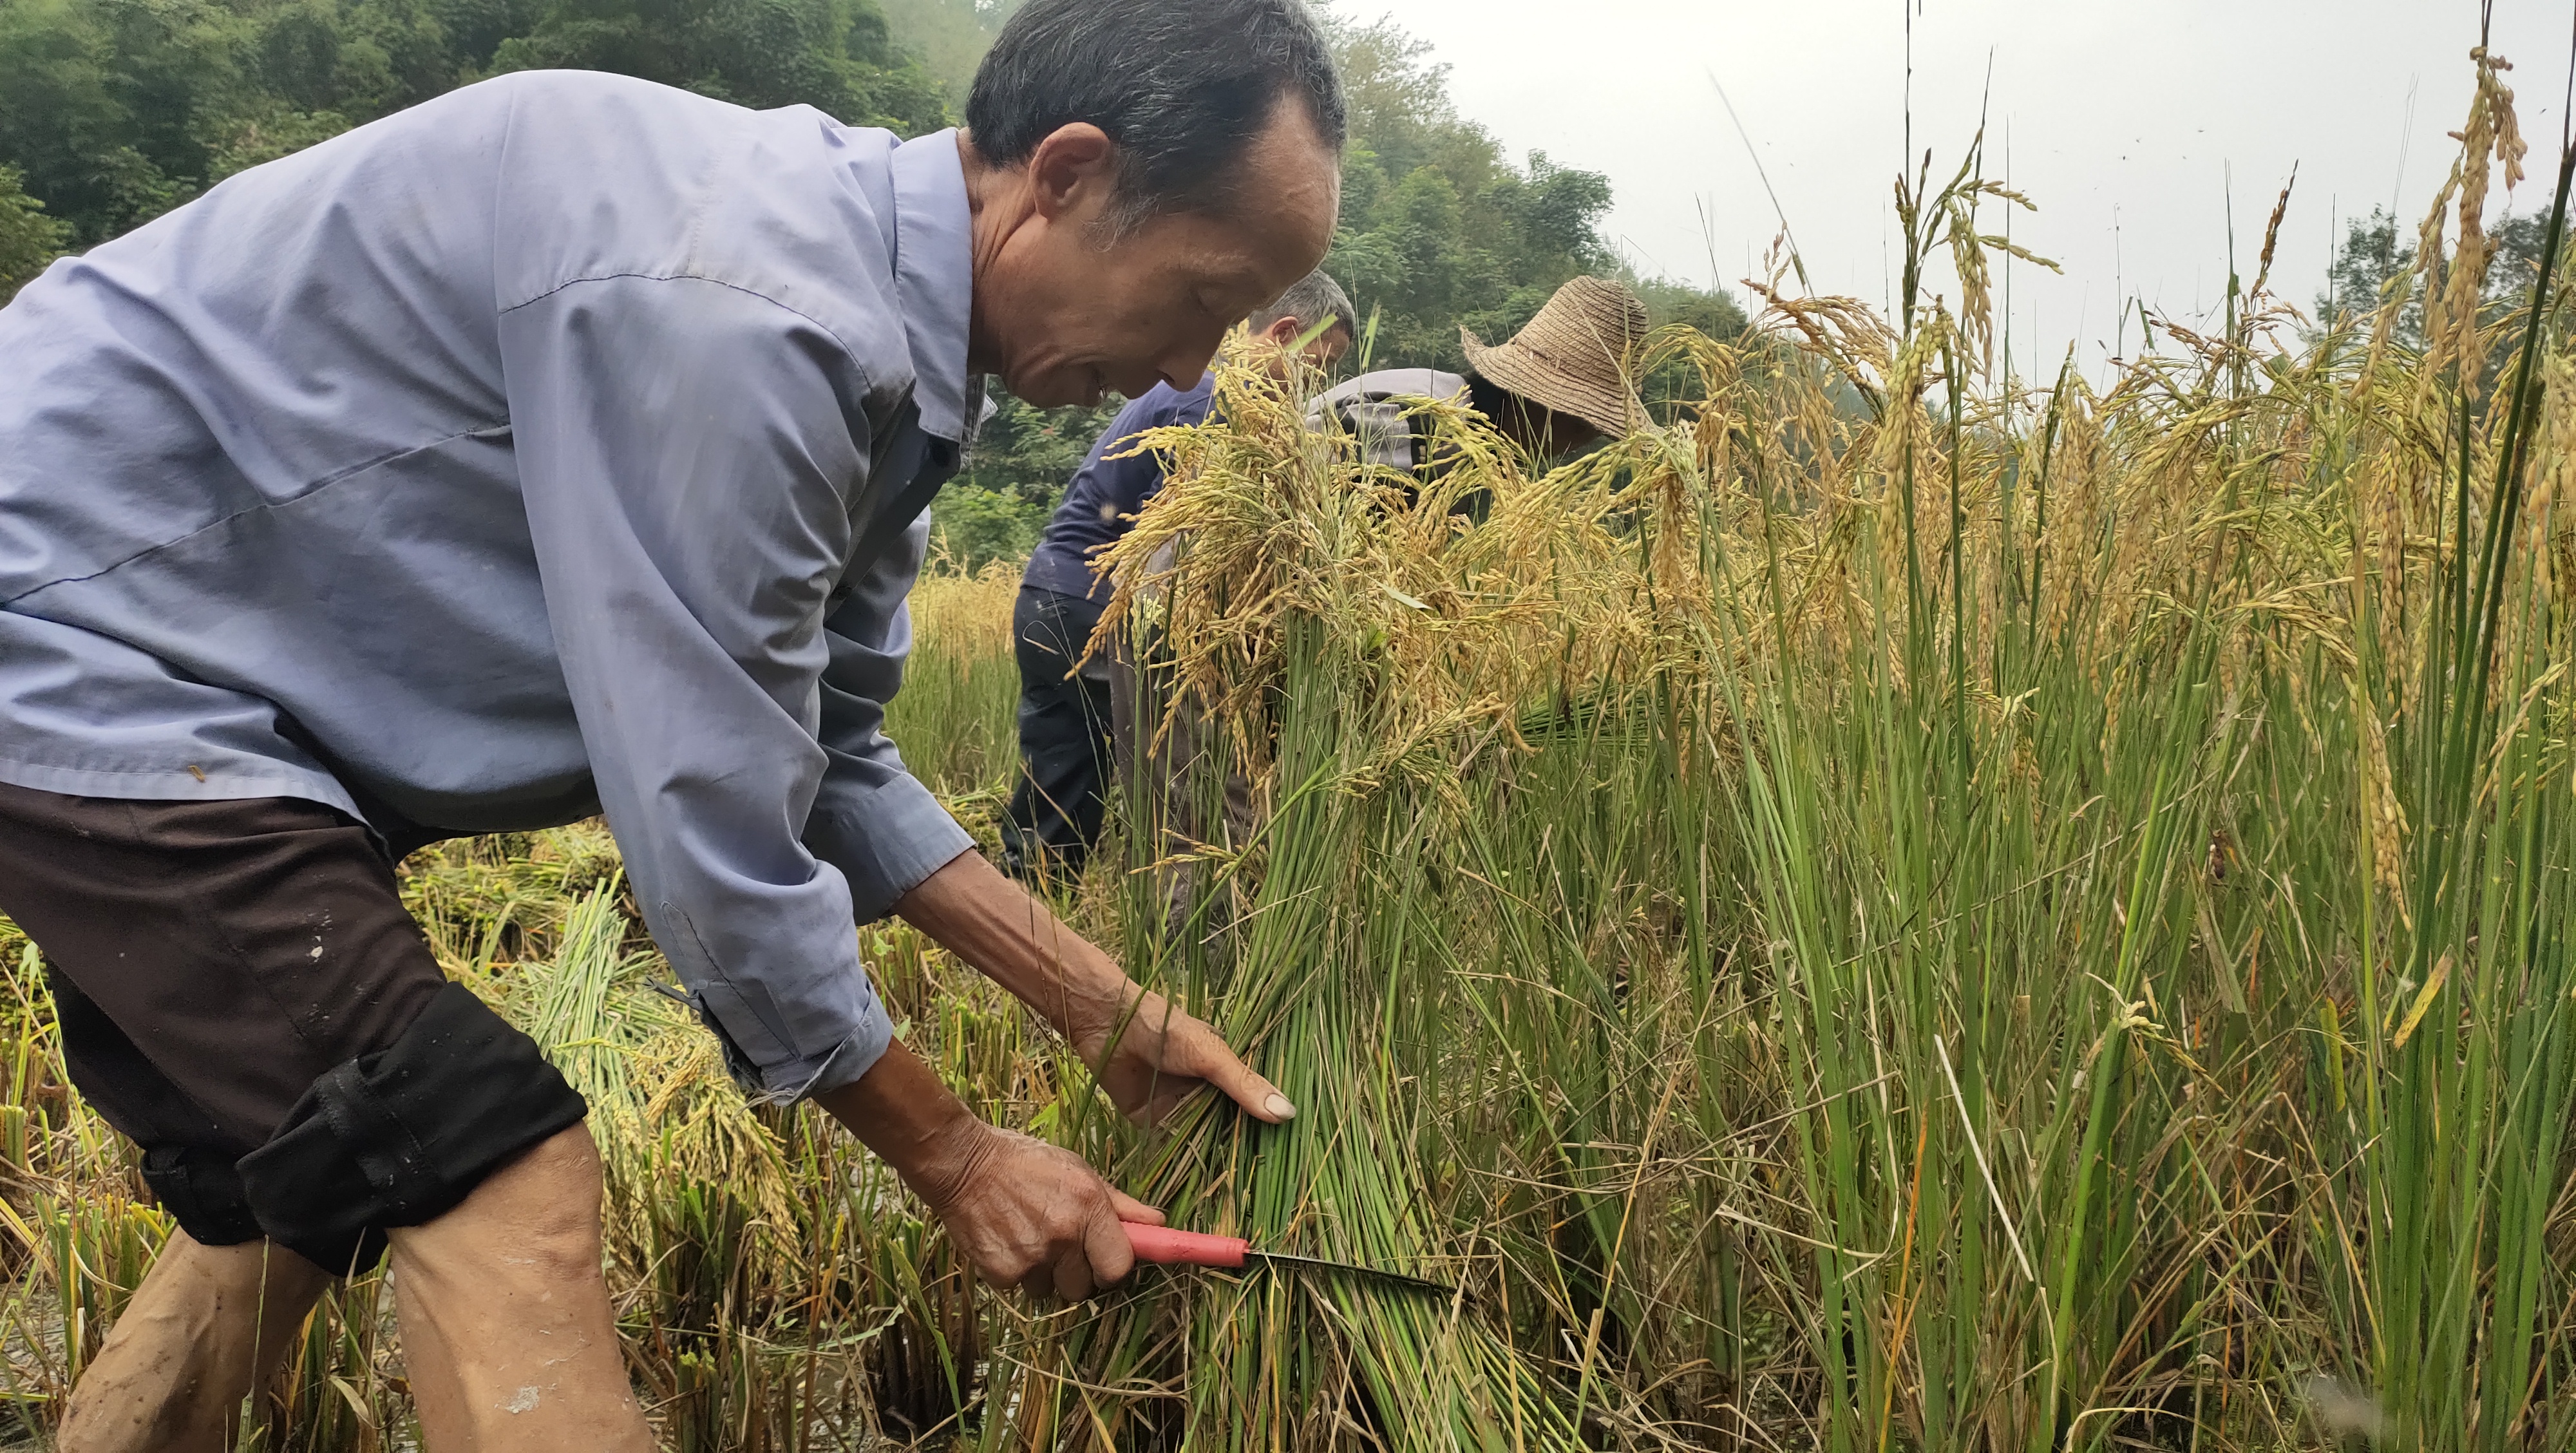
1023 1212
1147 1054
1150 1056
1031 1215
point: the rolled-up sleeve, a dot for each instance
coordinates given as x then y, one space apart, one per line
873 820
688 451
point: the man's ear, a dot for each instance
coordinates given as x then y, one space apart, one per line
1284 330
1073 171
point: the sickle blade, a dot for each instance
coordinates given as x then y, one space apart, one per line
1316 1263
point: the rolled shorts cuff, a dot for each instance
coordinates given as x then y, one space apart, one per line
201 1189
400 1136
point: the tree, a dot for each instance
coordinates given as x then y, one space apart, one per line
2370 259
1022 459
2375 255
28 238
949 36
831 54
115 111
1439 228
103 104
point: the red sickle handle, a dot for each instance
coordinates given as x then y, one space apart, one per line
1164 1245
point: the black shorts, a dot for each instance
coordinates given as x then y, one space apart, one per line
242 993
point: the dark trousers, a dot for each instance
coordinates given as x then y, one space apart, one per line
241 992
1056 809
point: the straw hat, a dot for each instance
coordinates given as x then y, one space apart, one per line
1578 356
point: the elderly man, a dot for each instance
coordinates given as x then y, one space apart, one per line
1065 716
561 446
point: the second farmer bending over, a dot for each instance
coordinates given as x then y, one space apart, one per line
1055 812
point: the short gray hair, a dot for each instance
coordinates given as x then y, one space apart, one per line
1310 300
1184 87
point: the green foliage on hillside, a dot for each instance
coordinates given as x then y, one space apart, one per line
28 237
1022 461
114 111
949 36
1439 227
831 54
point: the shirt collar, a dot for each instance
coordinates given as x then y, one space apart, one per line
934 278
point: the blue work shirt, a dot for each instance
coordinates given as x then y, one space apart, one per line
1106 491
559 445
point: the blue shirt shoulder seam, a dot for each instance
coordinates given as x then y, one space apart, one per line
790 309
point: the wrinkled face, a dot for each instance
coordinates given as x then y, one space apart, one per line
1064 314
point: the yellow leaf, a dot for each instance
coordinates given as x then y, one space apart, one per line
357 1404
2423 1001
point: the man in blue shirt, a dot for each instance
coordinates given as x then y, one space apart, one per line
562 446
1055 811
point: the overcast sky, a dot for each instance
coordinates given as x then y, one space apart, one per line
2122 120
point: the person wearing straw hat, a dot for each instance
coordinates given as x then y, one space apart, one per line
1559 384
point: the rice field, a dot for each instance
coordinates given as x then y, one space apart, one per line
1913 908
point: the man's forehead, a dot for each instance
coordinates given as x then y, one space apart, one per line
1223 255
1286 201
1234 272
1290 173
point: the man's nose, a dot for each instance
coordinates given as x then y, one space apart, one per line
1184 364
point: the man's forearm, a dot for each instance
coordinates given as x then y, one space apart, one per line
1149 1055
913 1122
995 925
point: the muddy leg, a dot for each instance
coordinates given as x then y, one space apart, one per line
209 1324
506 1327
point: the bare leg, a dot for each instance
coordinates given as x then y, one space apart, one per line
506 1327
209 1324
